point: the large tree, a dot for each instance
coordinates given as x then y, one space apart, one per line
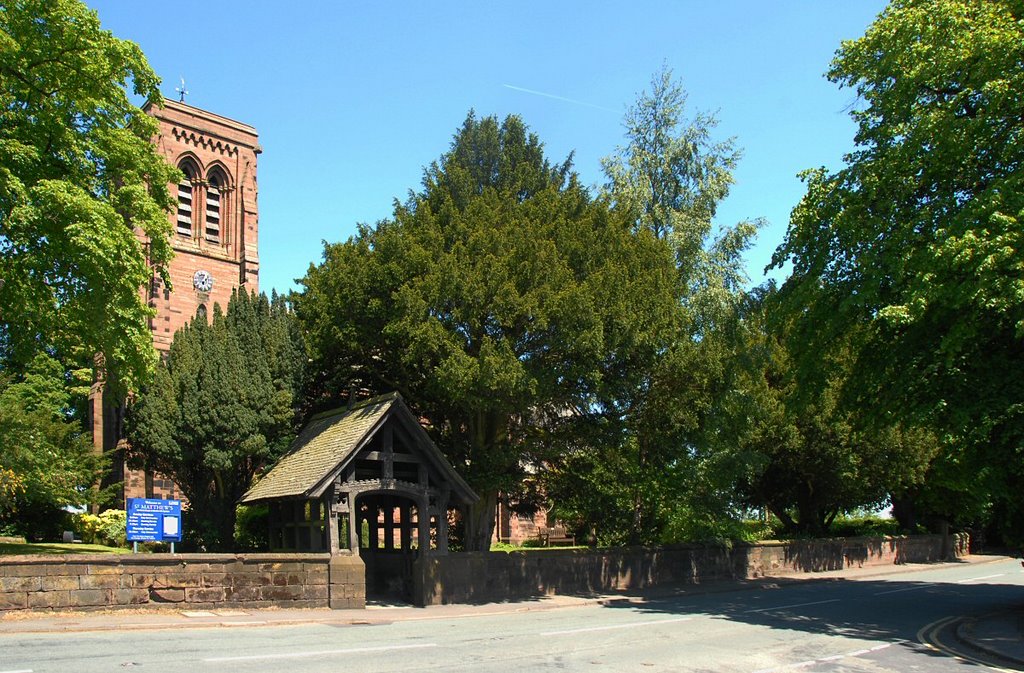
668 180
917 243
798 449
670 177
220 408
502 300
78 172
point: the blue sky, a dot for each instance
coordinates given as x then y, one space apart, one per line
352 100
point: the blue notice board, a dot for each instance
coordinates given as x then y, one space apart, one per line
154 520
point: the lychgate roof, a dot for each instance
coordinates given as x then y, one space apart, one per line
333 438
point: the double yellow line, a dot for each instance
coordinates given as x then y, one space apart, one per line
929 636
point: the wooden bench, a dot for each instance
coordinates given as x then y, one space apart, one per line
556 536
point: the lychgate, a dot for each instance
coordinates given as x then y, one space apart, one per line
367 480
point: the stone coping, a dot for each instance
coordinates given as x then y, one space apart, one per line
162 559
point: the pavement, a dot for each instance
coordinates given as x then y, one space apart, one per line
997 634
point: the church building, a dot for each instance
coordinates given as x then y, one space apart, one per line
215 240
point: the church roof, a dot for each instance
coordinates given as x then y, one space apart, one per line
331 439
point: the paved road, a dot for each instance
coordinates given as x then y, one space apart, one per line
899 622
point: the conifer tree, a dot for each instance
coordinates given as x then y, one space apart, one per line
503 301
220 409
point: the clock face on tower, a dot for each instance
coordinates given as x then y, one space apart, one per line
202 281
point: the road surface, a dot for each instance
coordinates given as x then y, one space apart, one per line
896 622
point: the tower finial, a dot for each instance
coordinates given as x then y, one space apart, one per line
182 91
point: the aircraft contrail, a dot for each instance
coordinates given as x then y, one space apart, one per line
561 98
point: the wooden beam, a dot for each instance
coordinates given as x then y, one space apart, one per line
397 457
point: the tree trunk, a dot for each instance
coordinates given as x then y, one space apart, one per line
480 518
905 512
782 515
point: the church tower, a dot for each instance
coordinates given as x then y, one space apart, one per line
216 225
215 230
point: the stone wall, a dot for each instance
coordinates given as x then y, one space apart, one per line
201 581
490 576
210 581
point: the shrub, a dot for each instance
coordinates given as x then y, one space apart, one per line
252 528
108 528
858 526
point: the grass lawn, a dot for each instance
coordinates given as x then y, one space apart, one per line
9 549
506 547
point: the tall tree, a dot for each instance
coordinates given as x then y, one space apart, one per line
220 409
668 180
671 176
78 171
501 300
916 244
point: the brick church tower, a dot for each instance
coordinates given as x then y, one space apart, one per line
214 236
216 223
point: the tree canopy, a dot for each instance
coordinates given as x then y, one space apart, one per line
502 300
637 477
220 409
78 172
915 245
798 450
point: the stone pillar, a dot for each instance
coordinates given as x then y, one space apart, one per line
346 587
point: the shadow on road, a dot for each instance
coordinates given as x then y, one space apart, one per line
889 610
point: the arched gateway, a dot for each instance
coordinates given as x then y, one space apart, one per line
364 479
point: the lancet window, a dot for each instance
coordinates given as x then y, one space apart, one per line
186 199
215 185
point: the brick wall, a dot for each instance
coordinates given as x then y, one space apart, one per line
494 576
181 581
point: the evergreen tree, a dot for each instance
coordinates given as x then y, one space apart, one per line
221 408
502 301
668 181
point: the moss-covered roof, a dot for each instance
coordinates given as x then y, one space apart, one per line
326 441
331 439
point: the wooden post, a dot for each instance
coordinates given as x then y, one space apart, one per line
389 524
332 521
353 523
387 453
442 523
406 512
423 525
373 517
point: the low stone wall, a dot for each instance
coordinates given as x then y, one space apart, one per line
210 581
200 581
494 576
